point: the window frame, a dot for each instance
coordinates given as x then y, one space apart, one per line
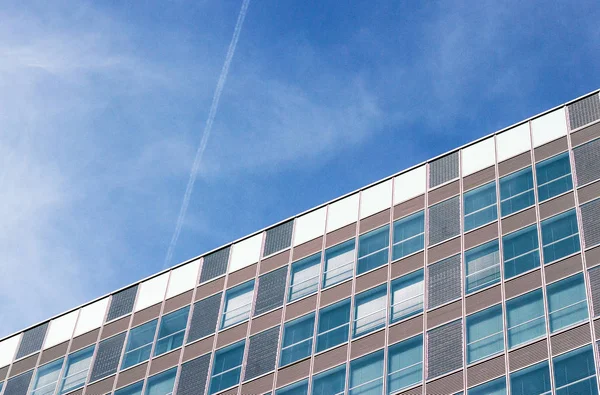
419 217
578 277
305 319
331 253
471 195
476 251
541 175
512 238
237 346
534 300
403 348
184 312
407 279
246 288
342 304
170 374
55 367
330 372
374 358
309 264
130 338
384 251
512 177
547 232
88 352
495 313
361 299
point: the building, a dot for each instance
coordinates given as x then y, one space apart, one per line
477 272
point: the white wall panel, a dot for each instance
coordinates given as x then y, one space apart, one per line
309 226
91 317
376 199
152 292
549 127
342 212
8 348
183 278
478 156
513 142
246 252
61 329
410 184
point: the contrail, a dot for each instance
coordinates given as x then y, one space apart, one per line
207 129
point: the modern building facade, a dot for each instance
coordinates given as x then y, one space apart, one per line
477 272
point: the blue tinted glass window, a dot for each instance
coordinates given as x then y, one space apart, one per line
133 389
480 206
334 323
405 363
560 236
494 387
516 191
482 266
1 385
238 303
521 251
484 333
227 366
369 310
46 378
139 344
162 383
534 380
525 319
76 370
305 277
299 388
339 263
297 339
409 235
373 249
366 374
574 372
330 382
567 304
407 296
172 331
553 176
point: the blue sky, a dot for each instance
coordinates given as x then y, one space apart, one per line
102 106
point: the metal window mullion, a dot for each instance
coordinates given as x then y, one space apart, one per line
425 280
463 277
388 301
541 253
588 287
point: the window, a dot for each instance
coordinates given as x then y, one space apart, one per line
133 389
305 277
373 249
574 372
46 378
405 363
339 263
162 383
172 331
553 176
369 310
299 388
139 344
566 302
482 266
521 251
480 206
407 296
409 235
560 236
238 303
297 339
227 367
330 382
334 322
516 191
485 336
494 387
366 374
534 380
76 370
525 318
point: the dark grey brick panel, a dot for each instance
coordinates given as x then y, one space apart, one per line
107 357
444 350
278 238
584 111
262 353
204 317
215 264
192 379
595 285
444 220
443 169
271 290
32 340
590 215
587 162
18 385
122 303
444 281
